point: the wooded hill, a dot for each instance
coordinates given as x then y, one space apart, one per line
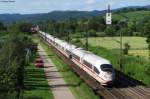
64 15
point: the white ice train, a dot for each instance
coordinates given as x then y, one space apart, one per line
99 68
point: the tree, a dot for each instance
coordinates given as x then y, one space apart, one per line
110 31
132 26
12 63
24 27
97 24
126 31
92 33
2 27
126 48
148 42
146 28
50 25
147 33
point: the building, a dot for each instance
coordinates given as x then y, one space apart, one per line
108 16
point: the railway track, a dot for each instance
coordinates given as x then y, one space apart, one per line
124 88
132 88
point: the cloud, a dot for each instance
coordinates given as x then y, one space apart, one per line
89 2
43 6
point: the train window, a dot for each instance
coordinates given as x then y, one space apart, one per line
68 51
56 44
76 57
106 67
87 64
96 70
59 46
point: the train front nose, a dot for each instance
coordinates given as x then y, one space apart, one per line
109 77
108 82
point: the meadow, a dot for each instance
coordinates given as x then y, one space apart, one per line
138 45
142 53
114 42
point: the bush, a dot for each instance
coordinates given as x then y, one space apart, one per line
110 31
148 70
92 33
126 48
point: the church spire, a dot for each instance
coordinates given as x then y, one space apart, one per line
108 16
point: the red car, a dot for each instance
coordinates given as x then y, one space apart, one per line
39 63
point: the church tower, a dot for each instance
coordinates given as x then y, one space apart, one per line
108 16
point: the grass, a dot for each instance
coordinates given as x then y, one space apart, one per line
77 86
36 85
138 45
142 53
113 42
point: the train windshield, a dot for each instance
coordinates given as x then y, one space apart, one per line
106 67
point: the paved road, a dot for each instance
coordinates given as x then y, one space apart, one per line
59 88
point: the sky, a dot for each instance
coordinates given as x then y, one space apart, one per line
44 6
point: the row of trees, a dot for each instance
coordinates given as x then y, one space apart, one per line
73 26
12 61
96 27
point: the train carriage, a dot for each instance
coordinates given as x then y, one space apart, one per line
97 67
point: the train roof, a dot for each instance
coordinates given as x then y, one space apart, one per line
95 60
70 46
80 52
49 36
63 43
41 32
58 41
90 57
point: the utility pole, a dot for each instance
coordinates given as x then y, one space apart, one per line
87 42
45 31
69 36
121 52
86 26
148 42
53 30
122 24
69 28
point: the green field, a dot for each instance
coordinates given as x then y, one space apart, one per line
114 42
138 45
142 53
